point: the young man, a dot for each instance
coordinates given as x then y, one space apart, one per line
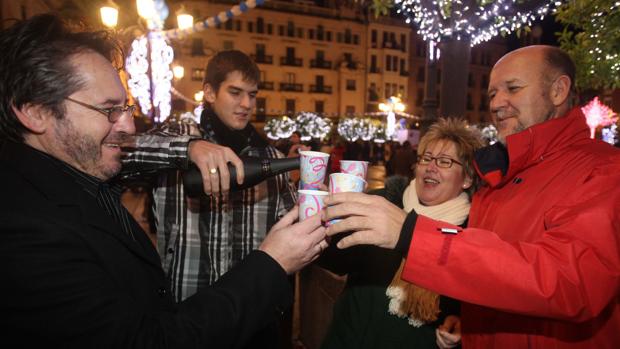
77 270
199 239
538 266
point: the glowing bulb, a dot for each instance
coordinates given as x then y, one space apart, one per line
146 8
178 71
109 16
185 21
198 96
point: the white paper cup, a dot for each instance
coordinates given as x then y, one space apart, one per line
310 202
344 182
313 166
354 167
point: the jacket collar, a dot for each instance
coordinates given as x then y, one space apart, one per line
497 164
238 140
68 196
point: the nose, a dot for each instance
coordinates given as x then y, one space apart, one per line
125 124
497 102
246 101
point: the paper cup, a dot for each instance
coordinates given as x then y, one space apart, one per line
313 167
310 202
344 182
354 167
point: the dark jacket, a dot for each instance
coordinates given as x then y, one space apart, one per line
71 277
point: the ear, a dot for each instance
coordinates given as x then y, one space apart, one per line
210 94
35 118
467 183
560 90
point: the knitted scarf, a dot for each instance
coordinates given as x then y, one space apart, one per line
420 305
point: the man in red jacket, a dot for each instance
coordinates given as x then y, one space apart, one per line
539 264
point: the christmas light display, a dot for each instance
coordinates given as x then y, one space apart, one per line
598 115
310 125
478 20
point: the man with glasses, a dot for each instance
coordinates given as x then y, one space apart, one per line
539 264
76 269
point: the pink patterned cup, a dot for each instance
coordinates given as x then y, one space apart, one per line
310 202
313 166
344 182
354 167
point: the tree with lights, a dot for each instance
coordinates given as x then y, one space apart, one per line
592 38
454 26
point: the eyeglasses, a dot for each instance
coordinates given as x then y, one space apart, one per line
441 161
112 113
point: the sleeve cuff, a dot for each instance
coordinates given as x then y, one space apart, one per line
406 234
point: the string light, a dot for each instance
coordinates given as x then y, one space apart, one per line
440 19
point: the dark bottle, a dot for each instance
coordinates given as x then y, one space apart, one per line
256 170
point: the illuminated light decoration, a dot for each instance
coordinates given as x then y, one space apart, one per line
598 115
137 66
456 19
346 129
109 16
310 125
610 134
489 134
366 129
211 22
393 105
161 74
282 127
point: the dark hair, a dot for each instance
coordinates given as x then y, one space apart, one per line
35 66
559 61
226 62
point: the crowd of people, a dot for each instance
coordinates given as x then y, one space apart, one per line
513 245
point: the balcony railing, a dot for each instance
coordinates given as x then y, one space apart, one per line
320 63
262 59
404 73
291 61
321 89
374 70
265 85
291 87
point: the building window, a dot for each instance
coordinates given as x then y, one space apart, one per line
311 34
401 90
290 106
198 74
403 42
350 85
484 84
483 103
420 49
388 63
290 29
421 74
228 25
228 45
339 37
419 98
349 110
260 50
197 48
388 91
373 38
260 25
269 28
356 39
250 27
373 64
395 63
319 80
281 30
319 107
238 25
320 33
329 36
290 78
347 36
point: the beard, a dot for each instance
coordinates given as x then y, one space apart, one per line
84 151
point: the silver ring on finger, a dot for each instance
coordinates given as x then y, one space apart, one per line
213 171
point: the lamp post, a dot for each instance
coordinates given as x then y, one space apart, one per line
392 104
148 65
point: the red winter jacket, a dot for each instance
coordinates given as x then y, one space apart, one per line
539 264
